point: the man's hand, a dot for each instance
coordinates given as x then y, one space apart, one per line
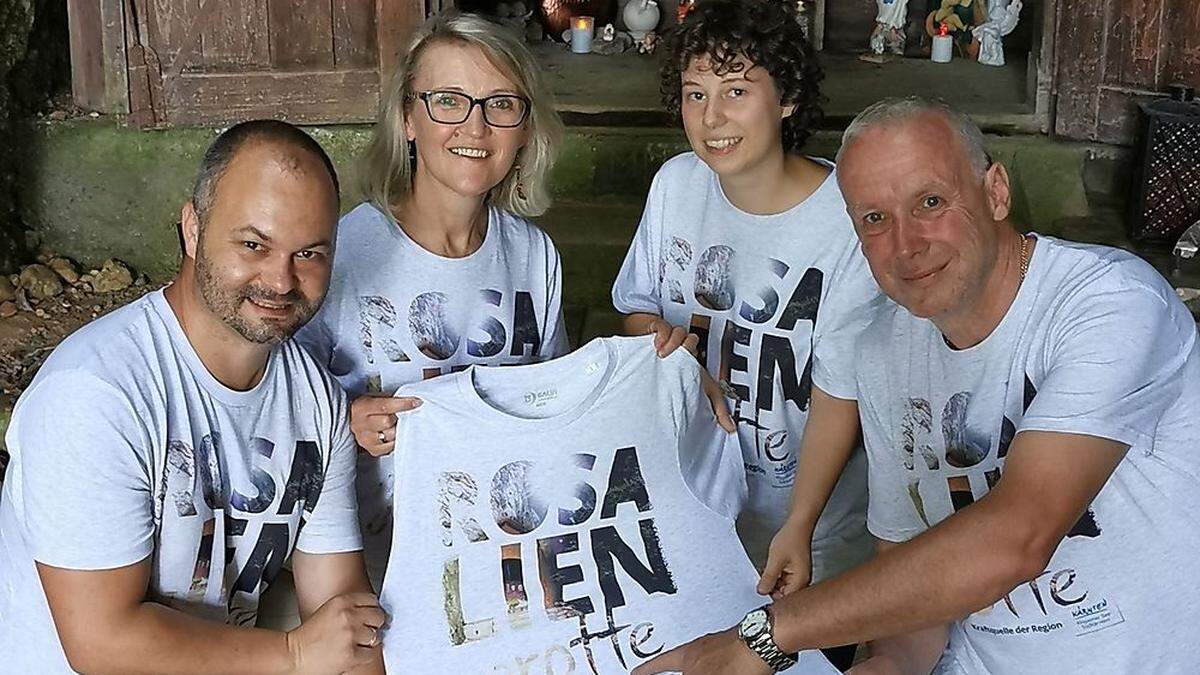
373 421
721 653
342 635
789 561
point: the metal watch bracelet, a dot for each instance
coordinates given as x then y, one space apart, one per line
765 647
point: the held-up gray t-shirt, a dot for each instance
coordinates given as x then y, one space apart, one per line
397 313
1096 343
569 516
125 448
778 302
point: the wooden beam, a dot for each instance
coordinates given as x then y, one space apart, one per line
397 21
98 63
318 97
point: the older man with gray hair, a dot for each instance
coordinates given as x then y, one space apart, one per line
1031 413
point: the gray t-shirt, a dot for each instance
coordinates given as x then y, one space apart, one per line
126 447
1095 343
569 516
778 302
397 313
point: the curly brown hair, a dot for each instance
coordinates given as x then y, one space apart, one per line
765 32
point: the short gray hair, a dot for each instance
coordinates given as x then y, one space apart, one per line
893 110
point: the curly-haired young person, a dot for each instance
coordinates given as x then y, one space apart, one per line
745 254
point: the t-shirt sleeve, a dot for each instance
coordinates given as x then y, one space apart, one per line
709 459
554 338
637 287
853 301
892 489
333 525
1113 365
85 473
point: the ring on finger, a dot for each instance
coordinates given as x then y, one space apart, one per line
374 631
382 437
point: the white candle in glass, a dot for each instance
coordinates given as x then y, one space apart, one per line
582 28
943 46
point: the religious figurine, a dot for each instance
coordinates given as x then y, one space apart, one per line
648 43
960 17
1002 19
685 6
888 34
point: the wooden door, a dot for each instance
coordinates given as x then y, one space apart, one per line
212 62
1113 53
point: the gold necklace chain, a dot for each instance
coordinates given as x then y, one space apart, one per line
1024 255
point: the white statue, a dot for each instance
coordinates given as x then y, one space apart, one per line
889 26
1002 19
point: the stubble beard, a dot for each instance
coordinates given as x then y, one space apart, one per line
225 303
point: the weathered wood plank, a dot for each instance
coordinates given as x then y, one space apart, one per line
97 43
1081 66
145 69
234 35
354 43
301 34
1182 53
1042 64
1132 53
321 97
396 20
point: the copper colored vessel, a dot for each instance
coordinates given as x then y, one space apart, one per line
556 14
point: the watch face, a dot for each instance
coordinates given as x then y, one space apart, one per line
755 623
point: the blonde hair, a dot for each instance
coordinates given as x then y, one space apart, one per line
385 172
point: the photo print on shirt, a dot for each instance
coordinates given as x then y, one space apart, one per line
595 552
436 329
981 453
198 486
750 372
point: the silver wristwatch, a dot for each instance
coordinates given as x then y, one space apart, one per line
755 631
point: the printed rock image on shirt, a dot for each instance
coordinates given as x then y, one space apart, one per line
589 552
249 530
761 347
974 449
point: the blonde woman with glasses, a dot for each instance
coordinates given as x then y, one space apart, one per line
439 268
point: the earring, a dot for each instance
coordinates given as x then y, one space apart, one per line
520 182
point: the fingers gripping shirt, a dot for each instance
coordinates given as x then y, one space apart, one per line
1097 344
126 448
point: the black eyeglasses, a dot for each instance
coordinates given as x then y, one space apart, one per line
504 111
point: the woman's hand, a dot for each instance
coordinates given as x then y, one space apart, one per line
668 338
373 421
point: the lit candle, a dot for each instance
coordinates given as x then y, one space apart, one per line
582 28
943 45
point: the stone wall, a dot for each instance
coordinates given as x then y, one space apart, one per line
34 70
16 22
